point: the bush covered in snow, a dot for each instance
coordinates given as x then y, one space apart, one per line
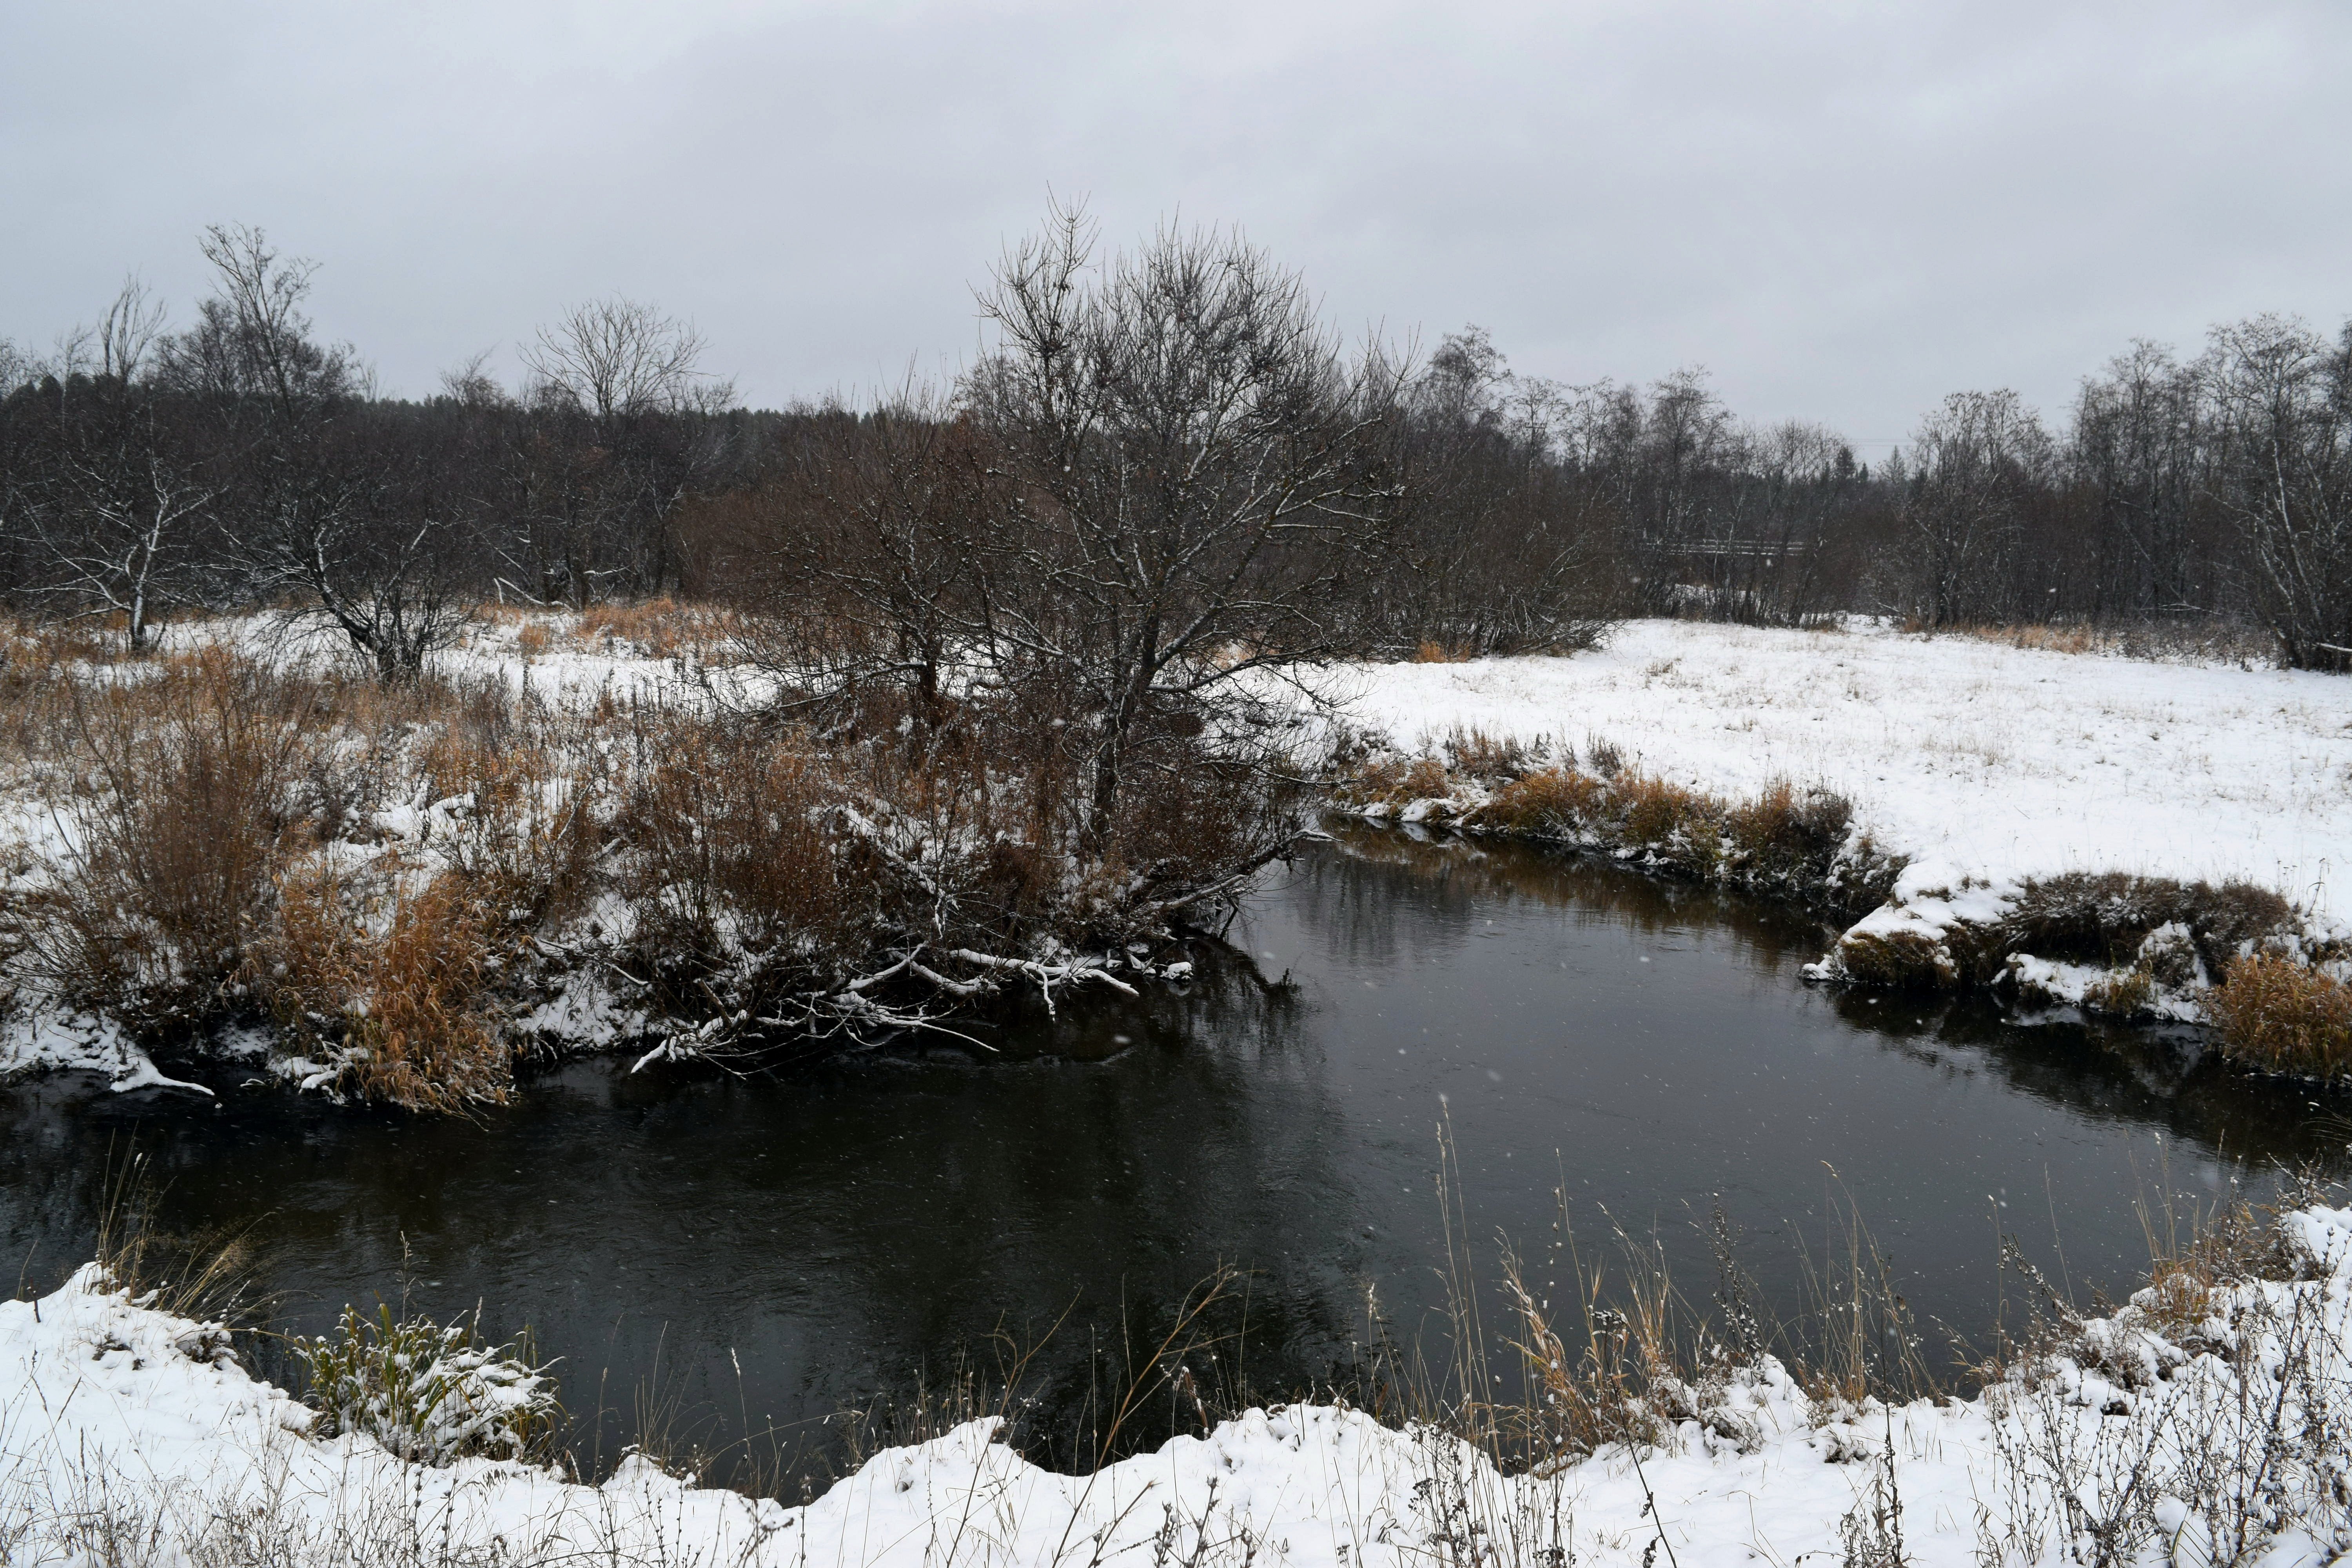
428 1391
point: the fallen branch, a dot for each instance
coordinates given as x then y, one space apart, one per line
1047 976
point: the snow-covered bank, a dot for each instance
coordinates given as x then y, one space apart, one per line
2073 831
2202 1424
1974 759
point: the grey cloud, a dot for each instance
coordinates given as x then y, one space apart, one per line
1842 210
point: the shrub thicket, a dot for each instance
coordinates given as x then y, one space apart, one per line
392 876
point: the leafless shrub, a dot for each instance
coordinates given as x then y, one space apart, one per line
179 821
2204 1420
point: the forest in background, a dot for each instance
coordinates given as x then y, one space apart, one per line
1362 501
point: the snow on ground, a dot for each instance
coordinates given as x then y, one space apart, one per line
1973 758
113 1417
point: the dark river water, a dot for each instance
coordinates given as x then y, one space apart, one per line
755 1253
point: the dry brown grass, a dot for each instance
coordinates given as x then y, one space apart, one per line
2105 917
2225 1246
1479 755
2282 1016
529 840
1396 781
1429 651
1788 826
732 867
2124 993
183 813
1898 961
662 628
1551 804
2191 639
1658 813
2146 931
1789 840
398 994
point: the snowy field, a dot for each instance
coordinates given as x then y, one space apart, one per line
123 1427
1974 758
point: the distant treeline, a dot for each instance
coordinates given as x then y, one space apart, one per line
1196 453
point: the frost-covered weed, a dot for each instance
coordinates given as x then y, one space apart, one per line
427 1392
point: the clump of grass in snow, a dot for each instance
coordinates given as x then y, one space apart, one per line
2108 918
182 809
2201 640
394 998
2138 946
2284 1016
661 628
208 1275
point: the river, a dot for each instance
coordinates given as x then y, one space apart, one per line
713 1255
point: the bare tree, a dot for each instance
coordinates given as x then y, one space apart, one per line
323 506
2283 399
470 386
871 547
616 358
1973 467
1195 464
108 524
251 350
634 375
2142 447
1497 547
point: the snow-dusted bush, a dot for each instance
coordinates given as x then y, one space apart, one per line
413 884
1786 840
427 1392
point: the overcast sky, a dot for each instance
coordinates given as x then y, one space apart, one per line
1842 211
